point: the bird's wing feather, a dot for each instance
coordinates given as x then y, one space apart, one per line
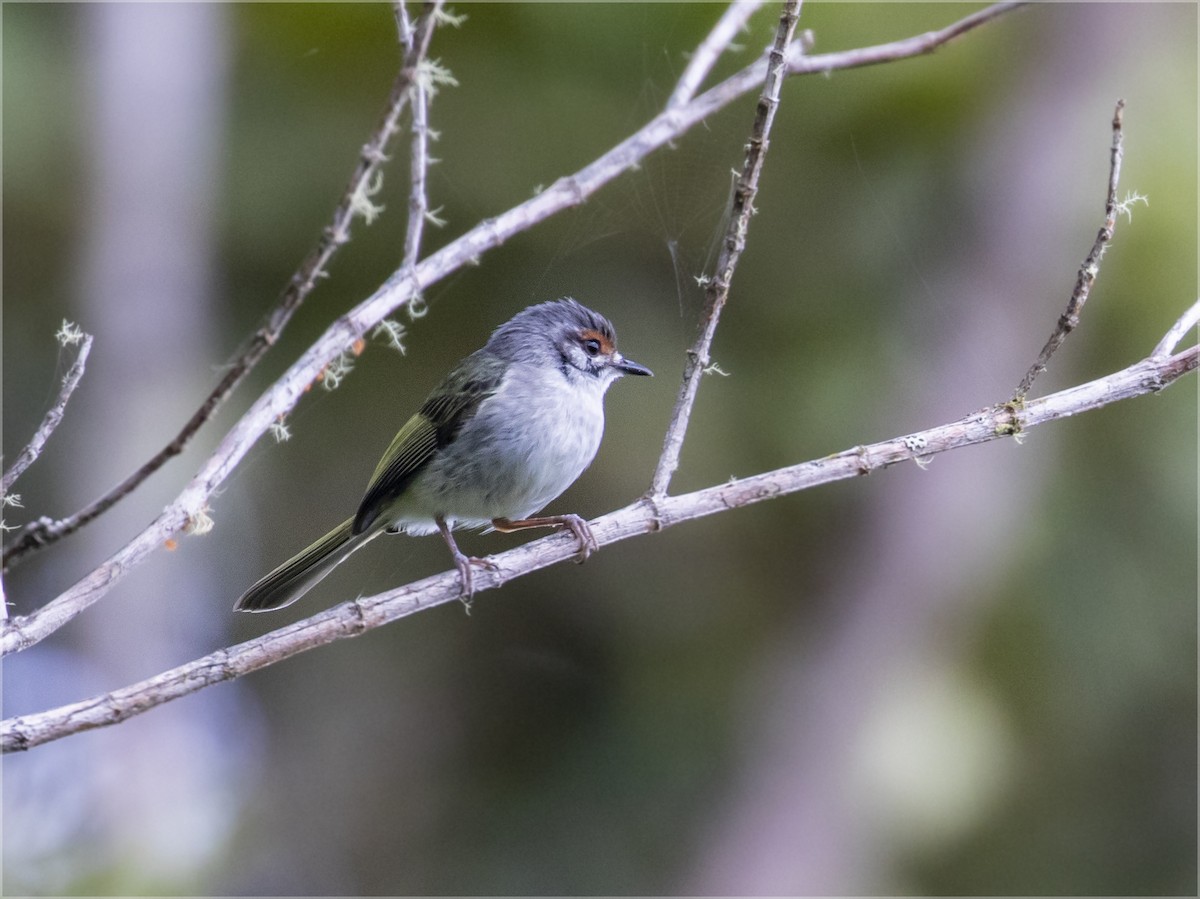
441 417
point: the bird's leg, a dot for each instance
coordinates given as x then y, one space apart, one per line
577 526
462 562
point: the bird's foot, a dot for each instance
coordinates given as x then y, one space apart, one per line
578 526
464 564
466 575
583 533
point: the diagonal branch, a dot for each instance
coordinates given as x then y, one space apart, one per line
732 21
22 632
918 45
1179 330
1090 266
354 201
717 291
350 619
54 415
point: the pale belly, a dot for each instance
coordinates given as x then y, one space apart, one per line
523 448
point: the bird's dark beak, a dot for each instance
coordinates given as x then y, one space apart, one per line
629 367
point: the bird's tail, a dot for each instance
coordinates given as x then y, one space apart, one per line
299 574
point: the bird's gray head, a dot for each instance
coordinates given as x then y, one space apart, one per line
568 336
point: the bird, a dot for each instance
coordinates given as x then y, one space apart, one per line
511 427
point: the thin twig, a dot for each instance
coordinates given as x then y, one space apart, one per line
1090 267
404 29
732 21
354 201
53 416
22 632
1178 331
418 201
731 249
918 45
349 619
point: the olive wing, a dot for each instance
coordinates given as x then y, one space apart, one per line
441 417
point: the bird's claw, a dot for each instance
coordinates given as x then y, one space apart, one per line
466 576
583 533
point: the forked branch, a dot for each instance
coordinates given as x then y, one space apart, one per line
354 202
349 619
1160 369
403 284
717 290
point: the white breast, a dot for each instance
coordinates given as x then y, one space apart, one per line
527 444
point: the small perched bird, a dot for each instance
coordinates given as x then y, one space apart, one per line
512 427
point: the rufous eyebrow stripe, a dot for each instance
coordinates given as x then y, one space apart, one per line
606 345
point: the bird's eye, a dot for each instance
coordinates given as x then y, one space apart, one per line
591 346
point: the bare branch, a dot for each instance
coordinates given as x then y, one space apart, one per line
717 291
1090 267
349 619
404 29
54 415
313 269
732 21
418 202
799 64
22 632
1186 323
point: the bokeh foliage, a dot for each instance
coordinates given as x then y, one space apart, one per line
588 729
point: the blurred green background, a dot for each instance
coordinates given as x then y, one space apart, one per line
977 678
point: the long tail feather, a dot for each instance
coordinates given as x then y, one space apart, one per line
299 574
